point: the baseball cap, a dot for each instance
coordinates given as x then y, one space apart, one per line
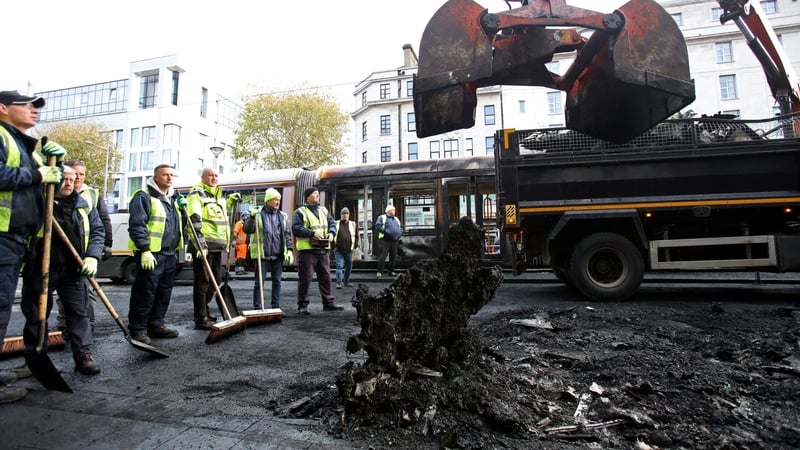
16 98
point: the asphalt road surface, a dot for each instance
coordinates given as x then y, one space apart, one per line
220 395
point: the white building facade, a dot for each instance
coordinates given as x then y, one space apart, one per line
728 79
160 114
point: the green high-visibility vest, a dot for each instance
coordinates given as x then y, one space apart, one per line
155 226
12 160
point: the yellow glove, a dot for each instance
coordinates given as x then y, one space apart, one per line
50 175
288 257
148 261
89 267
201 253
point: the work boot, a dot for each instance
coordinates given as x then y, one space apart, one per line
204 324
143 338
162 332
338 285
333 307
11 394
22 371
86 365
7 377
303 311
378 275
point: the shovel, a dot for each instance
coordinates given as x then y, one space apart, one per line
136 344
40 364
254 317
230 325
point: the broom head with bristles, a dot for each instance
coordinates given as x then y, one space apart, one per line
14 346
225 328
259 316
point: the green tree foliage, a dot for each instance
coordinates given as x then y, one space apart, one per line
296 129
74 135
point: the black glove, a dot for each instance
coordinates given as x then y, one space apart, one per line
106 253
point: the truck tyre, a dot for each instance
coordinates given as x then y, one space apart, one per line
606 266
129 271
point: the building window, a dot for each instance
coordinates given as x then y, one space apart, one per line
554 105
384 91
136 138
148 136
451 148
410 88
386 125
364 98
413 152
553 66
148 160
386 154
769 6
203 102
522 106
716 13
172 135
363 131
175 78
724 51
488 115
412 122
727 87
490 145
678 18
133 162
435 150
468 147
363 157
148 91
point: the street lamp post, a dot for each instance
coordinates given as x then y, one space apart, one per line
105 172
216 150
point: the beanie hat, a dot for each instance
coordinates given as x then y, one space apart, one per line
345 211
270 194
309 191
245 213
389 208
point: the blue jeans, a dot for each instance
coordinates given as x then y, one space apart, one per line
344 263
273 267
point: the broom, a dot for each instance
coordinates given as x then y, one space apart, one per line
231 325
259 316
14 346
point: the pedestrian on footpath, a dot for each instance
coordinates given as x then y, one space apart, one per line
84 229
345 240
156 235
274 240
208 214
23 175
313 229
389 232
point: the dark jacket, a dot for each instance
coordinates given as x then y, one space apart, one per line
275 236
28 201
65 212
299 230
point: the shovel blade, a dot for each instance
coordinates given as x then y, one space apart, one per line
146 347
43 369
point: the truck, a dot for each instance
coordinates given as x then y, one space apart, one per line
623 189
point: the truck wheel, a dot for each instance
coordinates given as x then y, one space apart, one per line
606 266
129 271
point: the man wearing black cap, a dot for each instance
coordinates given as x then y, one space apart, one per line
22 179
345 240
313 229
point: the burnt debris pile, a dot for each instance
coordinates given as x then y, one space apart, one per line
418 321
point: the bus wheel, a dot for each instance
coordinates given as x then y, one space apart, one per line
129 271
606 266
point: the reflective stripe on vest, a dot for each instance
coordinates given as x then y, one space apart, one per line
320 223
256 242
214 222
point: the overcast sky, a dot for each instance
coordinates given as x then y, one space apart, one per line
241 46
